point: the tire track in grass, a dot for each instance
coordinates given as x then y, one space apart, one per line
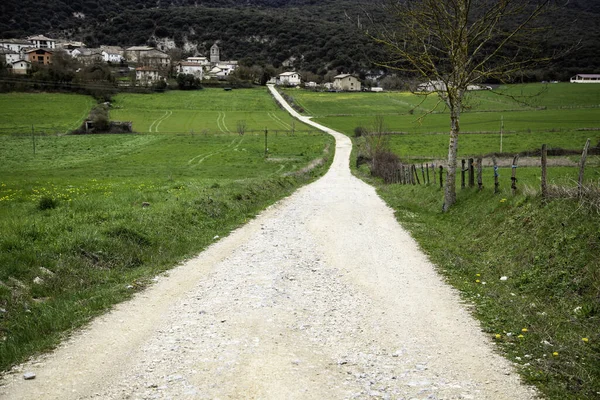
208 155
164 118
158 120
279 121
223 122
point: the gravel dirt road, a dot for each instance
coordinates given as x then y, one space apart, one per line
323 296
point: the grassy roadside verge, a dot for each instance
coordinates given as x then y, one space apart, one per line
72 251
530 269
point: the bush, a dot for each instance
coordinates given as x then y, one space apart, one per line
47 203
385 165
360 131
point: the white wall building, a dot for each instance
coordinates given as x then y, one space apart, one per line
147 75
21 67
16 45
289 79
346 82
113 54
586 78
191 68
42 42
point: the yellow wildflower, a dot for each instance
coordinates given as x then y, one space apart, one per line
498 336
555 353
585 339
524 330
520 336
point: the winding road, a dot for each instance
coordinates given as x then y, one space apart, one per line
323 296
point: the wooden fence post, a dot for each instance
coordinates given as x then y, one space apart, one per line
441 176
414 170
514 175
462 174
427 168
434 174
544 171
480 173
423 173
471 173
496 175
582 167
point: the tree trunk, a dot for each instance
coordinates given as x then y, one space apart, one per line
450 188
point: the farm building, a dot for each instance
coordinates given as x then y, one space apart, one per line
586 78
288 79
346 82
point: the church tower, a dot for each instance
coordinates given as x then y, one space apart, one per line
214 54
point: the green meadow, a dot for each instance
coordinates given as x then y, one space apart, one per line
88 220
561 115
212 110
49 113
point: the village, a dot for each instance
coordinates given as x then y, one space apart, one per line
150 64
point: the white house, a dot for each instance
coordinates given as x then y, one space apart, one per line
9 56
68 47
217 72
346 82
431 86
586 78
289 79
113 54
147 75
20 67
42 42
16 45
191 68
198 60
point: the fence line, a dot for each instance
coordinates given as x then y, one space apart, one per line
408 174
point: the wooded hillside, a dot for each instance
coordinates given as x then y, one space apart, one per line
315 35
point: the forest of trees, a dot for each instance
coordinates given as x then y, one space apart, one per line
318 35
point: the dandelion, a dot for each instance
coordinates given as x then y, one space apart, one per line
498 336
477 274
502 200
585 339
524 330
477 281
555 354
520 336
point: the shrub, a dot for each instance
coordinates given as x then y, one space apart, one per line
360 131
47 203
385 165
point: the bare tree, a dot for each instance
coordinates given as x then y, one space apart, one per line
453 44
241 127
376 140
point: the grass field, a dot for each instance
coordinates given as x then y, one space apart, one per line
47 112
532 115
88 220
214 110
